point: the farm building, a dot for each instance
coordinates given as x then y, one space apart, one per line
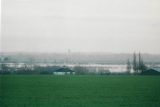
47 70
63 71
151 71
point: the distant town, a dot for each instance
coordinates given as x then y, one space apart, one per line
80 64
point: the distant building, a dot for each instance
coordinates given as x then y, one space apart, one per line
46 70
63 71
151 71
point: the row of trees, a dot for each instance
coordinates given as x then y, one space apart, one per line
137 65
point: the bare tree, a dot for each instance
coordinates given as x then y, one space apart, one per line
128 67
138 66
135 63
141 65
4 69
79 70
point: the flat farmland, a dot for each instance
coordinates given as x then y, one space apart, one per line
79 91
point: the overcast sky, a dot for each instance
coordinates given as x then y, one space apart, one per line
118 26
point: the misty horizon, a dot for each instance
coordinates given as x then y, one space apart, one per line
77 52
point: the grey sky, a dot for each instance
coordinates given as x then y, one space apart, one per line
118 26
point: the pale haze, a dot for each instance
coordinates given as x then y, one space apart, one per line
118 26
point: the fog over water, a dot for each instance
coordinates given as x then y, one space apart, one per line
118 26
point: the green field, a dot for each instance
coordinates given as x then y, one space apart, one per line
79 91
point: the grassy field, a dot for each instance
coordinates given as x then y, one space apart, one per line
79 91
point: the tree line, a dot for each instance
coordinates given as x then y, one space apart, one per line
137 65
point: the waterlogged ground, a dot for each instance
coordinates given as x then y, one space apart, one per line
79 91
